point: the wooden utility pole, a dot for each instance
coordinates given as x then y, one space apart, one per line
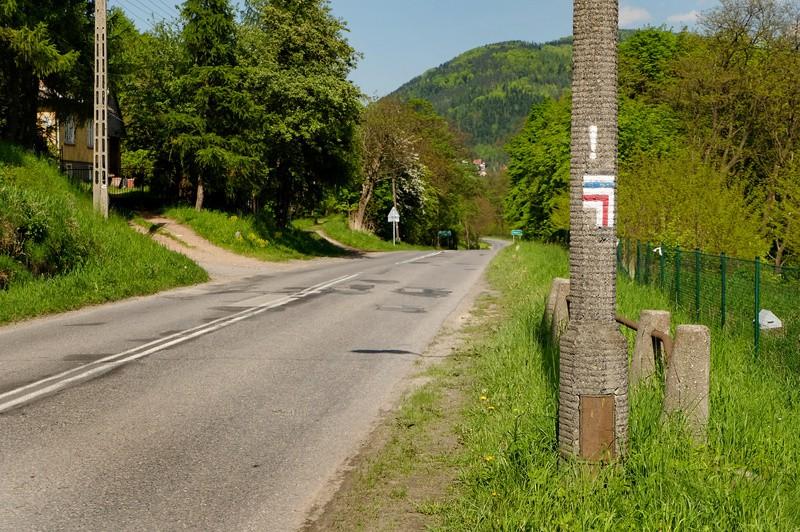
100 167
593 395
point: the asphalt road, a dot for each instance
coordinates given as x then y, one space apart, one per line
228 406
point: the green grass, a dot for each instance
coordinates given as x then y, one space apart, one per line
108 261
336 228
746 477
246 235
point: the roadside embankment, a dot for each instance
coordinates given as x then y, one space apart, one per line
56 254
254 236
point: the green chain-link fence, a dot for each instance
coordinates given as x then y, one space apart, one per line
723 292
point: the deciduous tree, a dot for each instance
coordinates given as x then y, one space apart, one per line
298 60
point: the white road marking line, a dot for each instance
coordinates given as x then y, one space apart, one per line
113 361
285 299
415 259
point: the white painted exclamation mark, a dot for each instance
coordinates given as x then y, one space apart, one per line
593 142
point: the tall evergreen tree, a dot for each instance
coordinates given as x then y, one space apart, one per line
49 41
208 127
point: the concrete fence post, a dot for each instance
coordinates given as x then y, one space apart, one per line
556 287
559 319
688 378
647 348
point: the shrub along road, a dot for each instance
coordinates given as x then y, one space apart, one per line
226 406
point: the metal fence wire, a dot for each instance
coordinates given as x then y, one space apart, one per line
726 293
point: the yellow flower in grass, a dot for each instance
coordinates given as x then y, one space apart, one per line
484 398
488 458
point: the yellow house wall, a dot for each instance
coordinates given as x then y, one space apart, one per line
79 152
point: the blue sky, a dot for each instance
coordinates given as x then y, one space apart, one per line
400 39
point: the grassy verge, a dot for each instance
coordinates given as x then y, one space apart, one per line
58 255
336 228
509 474
247 236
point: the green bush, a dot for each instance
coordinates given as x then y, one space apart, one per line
12 271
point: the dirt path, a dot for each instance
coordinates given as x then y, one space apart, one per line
338 244
220 263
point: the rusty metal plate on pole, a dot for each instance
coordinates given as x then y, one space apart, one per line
597 430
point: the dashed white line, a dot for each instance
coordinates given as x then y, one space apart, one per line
87 371
415 259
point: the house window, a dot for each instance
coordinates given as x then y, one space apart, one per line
90 133
69 131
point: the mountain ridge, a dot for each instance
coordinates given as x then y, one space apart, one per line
488 91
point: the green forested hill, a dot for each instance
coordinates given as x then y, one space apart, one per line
487 92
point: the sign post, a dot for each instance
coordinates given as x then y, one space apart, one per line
394 219
516 233
593 383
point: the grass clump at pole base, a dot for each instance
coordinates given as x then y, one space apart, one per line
57 255
746 477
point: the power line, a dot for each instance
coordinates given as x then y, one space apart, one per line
147 6
145 13
155 8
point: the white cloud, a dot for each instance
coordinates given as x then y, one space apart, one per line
685 18
630 16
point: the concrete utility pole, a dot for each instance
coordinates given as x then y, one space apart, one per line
100 170
593 395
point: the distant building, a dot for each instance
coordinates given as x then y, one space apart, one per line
77 141
72 139
480 164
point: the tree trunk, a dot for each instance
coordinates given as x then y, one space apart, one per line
779 250
357 221
283 203
198 204
593 395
